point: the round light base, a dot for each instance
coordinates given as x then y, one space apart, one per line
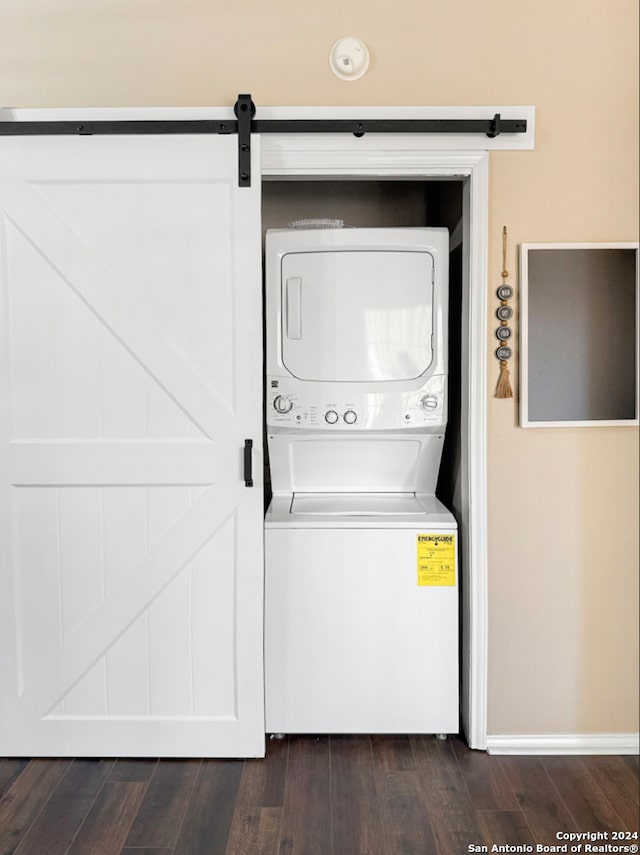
349 58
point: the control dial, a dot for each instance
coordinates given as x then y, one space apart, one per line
282 404
429 402
350 417
331 417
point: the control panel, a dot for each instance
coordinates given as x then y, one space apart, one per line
326 407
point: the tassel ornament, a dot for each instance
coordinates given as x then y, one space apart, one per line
503 389
503 333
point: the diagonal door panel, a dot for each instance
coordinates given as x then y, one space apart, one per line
83 381
138 590
118 309
148 250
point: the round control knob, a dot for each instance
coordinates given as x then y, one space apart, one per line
350 417
429 402
331 417
282 405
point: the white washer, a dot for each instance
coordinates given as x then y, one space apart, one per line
353 644
361 595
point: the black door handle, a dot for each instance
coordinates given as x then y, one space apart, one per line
248 461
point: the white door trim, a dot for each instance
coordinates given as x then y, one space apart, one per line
475 623
293 157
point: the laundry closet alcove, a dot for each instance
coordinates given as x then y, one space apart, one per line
130 542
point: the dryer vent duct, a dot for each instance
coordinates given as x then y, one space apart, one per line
316 224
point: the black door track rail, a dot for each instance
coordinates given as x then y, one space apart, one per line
245 124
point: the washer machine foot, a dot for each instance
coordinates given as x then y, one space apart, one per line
441 736
277 736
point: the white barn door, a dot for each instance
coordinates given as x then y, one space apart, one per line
131 580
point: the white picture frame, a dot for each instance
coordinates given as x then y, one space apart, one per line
579 322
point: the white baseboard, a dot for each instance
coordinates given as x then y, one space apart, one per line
565 743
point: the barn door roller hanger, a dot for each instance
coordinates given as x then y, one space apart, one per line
245 124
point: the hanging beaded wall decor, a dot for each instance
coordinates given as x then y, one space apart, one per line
504 314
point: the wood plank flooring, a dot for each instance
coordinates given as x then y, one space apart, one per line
346 795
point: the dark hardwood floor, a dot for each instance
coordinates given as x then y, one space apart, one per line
348 795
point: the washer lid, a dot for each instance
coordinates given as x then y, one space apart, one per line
356 504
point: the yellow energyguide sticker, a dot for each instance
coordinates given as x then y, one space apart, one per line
437 560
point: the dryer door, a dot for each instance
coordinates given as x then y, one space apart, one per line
357 316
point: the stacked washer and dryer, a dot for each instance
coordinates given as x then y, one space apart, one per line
361 585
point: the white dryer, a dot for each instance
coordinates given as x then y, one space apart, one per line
361 595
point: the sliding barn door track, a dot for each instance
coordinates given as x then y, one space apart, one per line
246 124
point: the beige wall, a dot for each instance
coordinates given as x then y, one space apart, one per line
563 503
